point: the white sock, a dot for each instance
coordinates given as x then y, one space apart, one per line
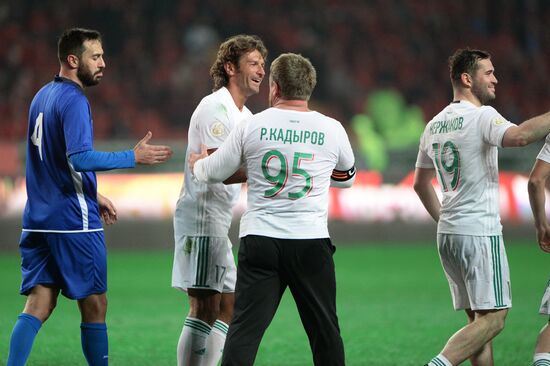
440 360
541 359
215 343
192 342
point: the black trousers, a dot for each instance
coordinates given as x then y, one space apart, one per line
266 267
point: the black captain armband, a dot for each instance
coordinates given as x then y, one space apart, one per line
343 175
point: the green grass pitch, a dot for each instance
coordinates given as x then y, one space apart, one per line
393 303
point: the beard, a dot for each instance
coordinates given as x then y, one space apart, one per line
481 92
86 77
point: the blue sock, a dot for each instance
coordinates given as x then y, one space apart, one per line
94 343
22 338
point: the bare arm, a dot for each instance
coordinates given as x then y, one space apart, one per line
215 168
240 175
425 191
537 198
527 132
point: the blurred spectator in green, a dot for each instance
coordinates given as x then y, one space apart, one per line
387 124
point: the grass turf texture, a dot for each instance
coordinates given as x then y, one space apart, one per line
393 303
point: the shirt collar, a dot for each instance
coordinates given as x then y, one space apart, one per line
61 79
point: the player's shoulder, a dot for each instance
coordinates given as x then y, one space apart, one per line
438 117
63 94
69 91
219 97
487 110
326 118
73 98
332 124
213 103
488 114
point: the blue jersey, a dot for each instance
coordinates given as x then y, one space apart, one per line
59 199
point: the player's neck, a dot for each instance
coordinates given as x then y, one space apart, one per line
238 97
466 95
296 105
68 74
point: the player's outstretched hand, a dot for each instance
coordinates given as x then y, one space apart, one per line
194 157
151 154
106 209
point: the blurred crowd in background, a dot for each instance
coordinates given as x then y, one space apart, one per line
158 55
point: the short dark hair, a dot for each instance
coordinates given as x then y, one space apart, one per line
231 50
71 42
295 76
465 60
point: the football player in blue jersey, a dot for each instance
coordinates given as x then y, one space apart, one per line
62 245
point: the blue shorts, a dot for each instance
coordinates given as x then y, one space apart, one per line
76 263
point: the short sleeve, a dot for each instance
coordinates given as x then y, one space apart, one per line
213 124
544 153
346 159
225 161
493 126
77 124
423 160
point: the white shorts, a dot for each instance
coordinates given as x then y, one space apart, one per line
204 263
545 303
477 270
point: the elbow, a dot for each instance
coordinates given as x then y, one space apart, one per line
522 141
535 183
77 166
417 187
516 138
519 141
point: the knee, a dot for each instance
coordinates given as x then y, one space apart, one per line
93 308
226 311
204 305
499 324
497 321
40 307
226 315
41 311
207 311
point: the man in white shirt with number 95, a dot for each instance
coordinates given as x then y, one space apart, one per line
292 155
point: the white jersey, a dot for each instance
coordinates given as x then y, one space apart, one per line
462 142
544 153
289 156
206 209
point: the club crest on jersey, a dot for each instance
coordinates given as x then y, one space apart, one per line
217 129
498 121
